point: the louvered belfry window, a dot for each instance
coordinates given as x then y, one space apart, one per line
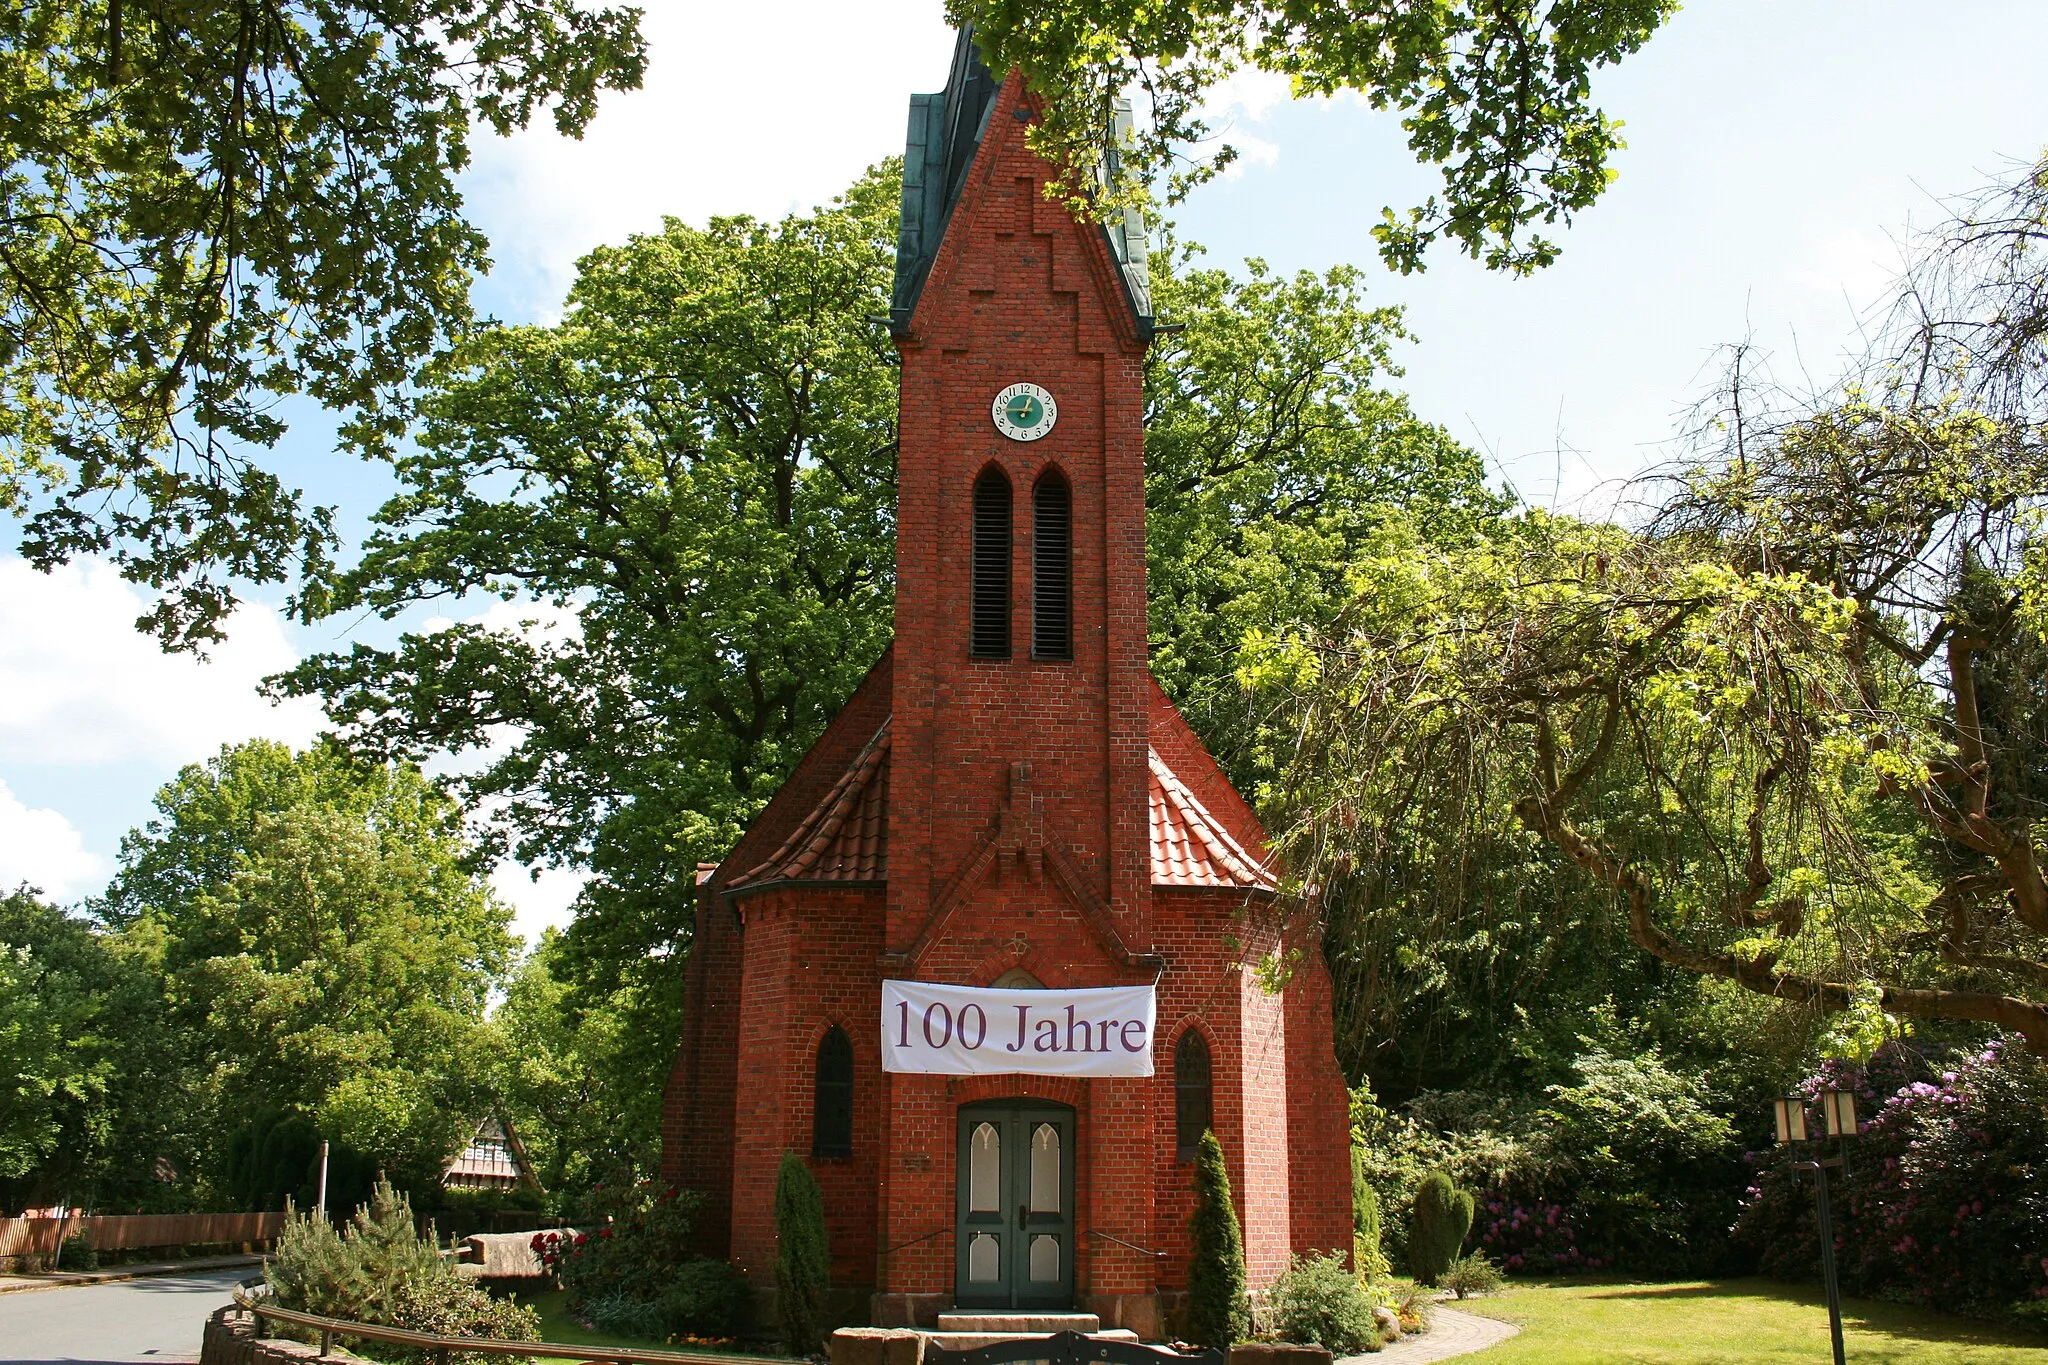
990 591
1052 569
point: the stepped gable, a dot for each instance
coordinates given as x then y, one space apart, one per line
946 130
803 801
845 838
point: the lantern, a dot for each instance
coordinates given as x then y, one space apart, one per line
1838 1109
1792 1118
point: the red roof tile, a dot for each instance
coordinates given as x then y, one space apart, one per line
1191 847
845 838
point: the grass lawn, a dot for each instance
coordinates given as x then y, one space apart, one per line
556 1324
1735 1322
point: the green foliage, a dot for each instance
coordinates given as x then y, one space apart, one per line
1441 1217
637 1237
211 207
803 1257
571 1069
379 1269
1318 1299
1368 1258
714 399
1273 454
706 1299
76 1253
1218 1313
274 1160
1471 1274
1496 95
91 1071
326 943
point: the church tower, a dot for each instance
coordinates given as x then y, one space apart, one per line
1009 802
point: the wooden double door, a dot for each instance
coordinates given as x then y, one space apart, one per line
1015 1223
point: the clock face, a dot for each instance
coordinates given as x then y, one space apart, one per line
1024 412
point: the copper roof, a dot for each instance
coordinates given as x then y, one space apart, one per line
1190 847
845 838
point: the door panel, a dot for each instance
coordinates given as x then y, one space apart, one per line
1015 1229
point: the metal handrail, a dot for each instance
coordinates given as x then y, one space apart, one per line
1107 1237
442 1345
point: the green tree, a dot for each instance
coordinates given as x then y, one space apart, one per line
327 941
573 1070
1791 729
803 1256
213 208
91 1111
1496 94
1219 1315
1273 452
698 462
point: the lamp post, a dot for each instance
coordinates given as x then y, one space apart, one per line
1838 1115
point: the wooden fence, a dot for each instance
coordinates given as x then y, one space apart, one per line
121 1232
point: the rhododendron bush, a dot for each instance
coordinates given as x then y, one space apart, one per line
1944 1198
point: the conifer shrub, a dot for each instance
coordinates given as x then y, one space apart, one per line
379 1269
803 1256
1218 1313
1441 1217
1367 1256
1319 1300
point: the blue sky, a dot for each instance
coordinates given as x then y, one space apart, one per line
1777 154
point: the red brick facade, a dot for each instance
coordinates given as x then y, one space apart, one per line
965 817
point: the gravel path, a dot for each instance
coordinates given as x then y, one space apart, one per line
1451 1333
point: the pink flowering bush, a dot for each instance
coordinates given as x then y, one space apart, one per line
1945 1196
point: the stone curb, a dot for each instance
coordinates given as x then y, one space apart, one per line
71 1279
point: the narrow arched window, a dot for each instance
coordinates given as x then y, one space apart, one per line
989 593
1052 569
832 1097
1192 1113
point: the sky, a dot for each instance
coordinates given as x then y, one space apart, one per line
1779 151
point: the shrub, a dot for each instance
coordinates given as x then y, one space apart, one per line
1366 1256
1945 1203
803 1257
76 1253
1472 1274
705 1300
379 1269
1318 1299
1218 1314
1441 1218
638 1236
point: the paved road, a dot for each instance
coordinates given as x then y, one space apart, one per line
131 1322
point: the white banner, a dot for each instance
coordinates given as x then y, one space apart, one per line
980 1031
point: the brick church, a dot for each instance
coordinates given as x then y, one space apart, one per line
1008 805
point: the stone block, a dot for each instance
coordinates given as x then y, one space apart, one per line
875 1346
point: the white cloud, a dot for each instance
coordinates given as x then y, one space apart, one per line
761 108
45 850
84 688
540 899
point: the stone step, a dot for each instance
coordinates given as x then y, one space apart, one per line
966 1320
974 1341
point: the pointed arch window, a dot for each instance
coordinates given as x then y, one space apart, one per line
832 1096
1193 1113
1052 568
989 591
